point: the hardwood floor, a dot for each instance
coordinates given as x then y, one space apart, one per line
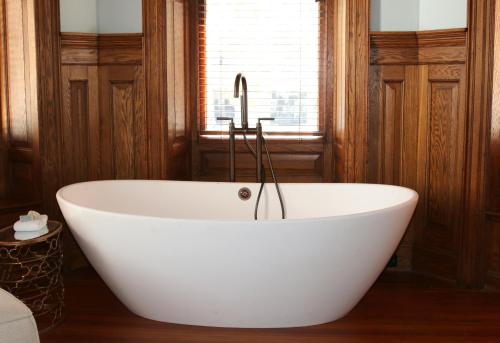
401 307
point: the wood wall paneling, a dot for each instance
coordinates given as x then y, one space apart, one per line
126 96
3 108
493 250
178 95
442 146
80 123
20 117
103 98
416 138
166 52
154 26
336 27
414 48
103 119
293 161
357 54
473 235
123 123
493 205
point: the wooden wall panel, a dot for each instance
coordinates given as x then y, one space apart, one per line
292 161
166 52
472 252
80 123
416 133
103 98
493 248
442 146
178 96
392 146
21 112
103 120
355 121
123 123
3 109
493 182
386 124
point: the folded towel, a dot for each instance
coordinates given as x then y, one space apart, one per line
23 236
33 221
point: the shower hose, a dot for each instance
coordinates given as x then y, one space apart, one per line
276 183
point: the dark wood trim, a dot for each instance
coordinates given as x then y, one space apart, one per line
493 280
101 49
168 146
4 132
155 36
472 253
194 87
199 25
77 40
120 40
357 18
495 216
414 48
47 154
418 39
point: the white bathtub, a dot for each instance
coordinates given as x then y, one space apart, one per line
191 253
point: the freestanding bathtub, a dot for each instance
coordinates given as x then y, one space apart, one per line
191 253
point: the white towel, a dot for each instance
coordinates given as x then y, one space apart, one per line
23 236
33 221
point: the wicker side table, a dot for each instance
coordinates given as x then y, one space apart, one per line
31 271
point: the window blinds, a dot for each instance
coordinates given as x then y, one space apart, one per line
276 45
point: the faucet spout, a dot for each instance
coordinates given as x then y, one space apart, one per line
244 98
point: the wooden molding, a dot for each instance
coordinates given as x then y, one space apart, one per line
351 76
101 49
120 41
426 47
74 40
77 40
418 39
47 156
155 69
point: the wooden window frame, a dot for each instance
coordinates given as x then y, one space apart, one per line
325 87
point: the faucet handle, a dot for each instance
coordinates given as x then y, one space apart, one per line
265 118
225 118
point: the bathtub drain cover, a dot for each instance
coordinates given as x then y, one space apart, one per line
244 193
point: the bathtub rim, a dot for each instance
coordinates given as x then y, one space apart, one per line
414 196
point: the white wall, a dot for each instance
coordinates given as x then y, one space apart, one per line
395 15
101 16
119 16
78 15
417 15
442 14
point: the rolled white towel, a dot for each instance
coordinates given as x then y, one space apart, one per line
33 221
25 235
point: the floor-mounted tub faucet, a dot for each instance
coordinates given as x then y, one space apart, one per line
244 130
243 98
259 142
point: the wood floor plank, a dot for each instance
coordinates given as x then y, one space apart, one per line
400 307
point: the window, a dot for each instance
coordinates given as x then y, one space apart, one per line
277 45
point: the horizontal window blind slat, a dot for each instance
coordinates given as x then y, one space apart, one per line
276 45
